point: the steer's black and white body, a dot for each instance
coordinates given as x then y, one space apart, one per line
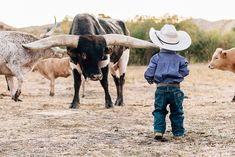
85 24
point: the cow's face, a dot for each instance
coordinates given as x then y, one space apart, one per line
219 60
89 53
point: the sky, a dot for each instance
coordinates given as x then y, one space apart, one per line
22 13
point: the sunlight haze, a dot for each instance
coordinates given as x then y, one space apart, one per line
22 13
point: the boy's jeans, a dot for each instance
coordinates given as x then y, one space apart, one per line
173 96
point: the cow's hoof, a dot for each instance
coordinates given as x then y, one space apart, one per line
16 96
20 100
109 105
17 100
119 102
233 100
52 94
73 106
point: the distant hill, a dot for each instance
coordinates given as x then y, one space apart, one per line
5 27
36 30
221 25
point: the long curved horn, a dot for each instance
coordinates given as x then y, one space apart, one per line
123 40
51 31
58 40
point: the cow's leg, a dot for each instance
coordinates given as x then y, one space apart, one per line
83 87
233 100
77 84
116 79
16 70
104 83
119 100
18 91
8 88
10 84
119 82
52 87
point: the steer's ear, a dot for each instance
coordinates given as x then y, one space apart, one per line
223 54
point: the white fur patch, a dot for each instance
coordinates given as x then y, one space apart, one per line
74 66
120 67
122 63
104 63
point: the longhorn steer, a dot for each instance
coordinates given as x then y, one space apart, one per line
16 60
85 24
92 52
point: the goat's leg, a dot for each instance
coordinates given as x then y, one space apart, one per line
52 87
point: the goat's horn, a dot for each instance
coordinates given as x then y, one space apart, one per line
123 40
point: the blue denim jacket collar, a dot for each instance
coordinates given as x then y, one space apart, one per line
166 51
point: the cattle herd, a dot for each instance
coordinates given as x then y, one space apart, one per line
95 46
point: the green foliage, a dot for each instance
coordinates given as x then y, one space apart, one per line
228 40
104 16
203 43
139 28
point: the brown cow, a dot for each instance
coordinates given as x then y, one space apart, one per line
53 68
223 60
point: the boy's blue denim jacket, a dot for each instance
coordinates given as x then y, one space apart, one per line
167 67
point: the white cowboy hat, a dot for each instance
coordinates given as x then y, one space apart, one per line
169 38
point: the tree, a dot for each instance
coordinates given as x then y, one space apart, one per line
66 24
104 16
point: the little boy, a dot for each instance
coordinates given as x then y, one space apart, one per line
167 69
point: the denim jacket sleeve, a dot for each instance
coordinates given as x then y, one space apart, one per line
149 73
184 70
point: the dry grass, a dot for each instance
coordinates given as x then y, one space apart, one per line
44 126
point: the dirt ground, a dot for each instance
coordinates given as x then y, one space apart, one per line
44 126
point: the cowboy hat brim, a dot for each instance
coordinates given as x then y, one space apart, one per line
184 40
